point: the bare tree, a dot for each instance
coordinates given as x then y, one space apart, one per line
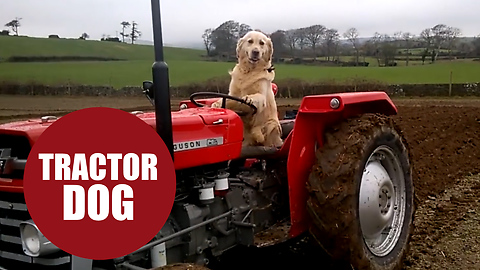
84 36
331 42
404 40
397 36
385 49
225 36
279 43
14 24
301 39
313 36
124 26
135 34
243 29
375 43
440 32
207 40
451 38
291 39
441 36
427 39
352 36
408 39
370 47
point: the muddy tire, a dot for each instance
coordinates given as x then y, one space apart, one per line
361 194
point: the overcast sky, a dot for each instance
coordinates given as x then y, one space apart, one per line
185 20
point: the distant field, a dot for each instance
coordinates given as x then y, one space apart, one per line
186 66
128 73
27 46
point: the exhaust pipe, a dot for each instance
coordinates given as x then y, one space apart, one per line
161 83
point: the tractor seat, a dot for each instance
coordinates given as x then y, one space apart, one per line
259 151
287 127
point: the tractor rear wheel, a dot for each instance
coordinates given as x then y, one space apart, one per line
361 194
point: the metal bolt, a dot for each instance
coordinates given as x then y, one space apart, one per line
334 103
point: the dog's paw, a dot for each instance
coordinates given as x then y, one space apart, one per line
216 104
259 104
278 143
248 100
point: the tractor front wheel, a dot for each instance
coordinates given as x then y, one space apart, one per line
361 194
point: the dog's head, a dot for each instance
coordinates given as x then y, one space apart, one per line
255 47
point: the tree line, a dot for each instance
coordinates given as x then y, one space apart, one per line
129 30
318 41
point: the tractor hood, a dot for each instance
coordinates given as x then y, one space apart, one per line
31 129
201 136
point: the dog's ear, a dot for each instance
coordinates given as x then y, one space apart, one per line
269 53
239 46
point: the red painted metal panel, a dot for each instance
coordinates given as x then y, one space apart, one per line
198 124
314 116
188 125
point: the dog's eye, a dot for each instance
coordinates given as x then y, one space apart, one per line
262 43
250 41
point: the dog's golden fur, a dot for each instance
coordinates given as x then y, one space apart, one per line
251 80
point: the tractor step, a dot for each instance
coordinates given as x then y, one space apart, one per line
276 234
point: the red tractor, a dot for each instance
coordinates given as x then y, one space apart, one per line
343 175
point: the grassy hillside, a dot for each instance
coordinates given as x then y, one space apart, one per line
186 66
28 46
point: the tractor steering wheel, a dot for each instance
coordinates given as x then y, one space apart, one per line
224 99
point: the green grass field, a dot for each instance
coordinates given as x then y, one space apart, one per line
27 46
119 74
185 66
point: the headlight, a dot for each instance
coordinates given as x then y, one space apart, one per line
31 239
34 243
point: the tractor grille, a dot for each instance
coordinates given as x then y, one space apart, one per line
19 144
20 147
13 210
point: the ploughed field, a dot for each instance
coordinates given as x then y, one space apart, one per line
444 140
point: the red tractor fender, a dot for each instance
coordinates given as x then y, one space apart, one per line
315 114
274 89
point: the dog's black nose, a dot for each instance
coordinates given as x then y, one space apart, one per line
255 53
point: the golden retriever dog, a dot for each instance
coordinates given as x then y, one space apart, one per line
251 80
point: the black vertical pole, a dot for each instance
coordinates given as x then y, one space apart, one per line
161 82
